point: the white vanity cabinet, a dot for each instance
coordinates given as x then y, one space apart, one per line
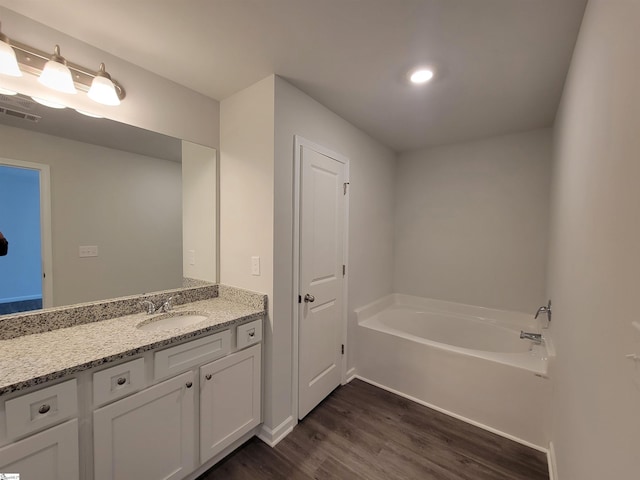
48 455
230 397
167 414
149 435
52 453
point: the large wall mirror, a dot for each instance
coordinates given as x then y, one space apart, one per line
131 211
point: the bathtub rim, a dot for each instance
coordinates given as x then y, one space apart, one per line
537 361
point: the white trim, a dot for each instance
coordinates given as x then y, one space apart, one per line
551 460
455 415
45 224
298 143
351 374
273 436
212 461
23 298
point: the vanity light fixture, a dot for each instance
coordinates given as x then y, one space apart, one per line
102 88
56 75
8 62
55 72
4 91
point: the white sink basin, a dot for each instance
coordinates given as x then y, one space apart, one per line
171 321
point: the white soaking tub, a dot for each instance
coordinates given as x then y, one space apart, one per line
465 361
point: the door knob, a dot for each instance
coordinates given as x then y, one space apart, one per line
308 298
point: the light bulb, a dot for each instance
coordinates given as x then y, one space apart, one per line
8 63
56 75
102 89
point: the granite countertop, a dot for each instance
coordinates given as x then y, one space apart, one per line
33 359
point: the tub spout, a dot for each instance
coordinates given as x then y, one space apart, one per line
534 337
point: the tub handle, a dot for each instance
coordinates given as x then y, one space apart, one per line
545 309
308 298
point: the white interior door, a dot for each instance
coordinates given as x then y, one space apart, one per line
320 315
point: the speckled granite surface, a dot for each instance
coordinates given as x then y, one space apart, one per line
33 359
246 297
40 346
12 326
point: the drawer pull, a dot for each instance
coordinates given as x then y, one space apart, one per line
189 384
44 409
208 376
121 381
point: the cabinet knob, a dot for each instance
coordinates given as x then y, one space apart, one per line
189 384
208 376
44 408
121 381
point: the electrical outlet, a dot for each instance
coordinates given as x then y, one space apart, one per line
255 265
88 251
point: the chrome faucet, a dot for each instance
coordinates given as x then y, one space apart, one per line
167 306
534 337
150 306
545 309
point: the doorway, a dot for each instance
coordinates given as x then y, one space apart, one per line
25 222
320 274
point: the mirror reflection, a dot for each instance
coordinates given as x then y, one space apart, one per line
93 209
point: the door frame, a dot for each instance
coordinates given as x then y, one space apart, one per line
45 224
300 142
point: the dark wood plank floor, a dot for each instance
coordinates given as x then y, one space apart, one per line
363 432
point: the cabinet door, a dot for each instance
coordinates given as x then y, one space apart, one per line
48 455
149 435
229 400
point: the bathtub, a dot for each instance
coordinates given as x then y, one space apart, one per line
465 361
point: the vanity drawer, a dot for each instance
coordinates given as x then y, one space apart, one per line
249 333
41 409
119 381
182 357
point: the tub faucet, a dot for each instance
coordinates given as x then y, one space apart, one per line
534 337
545 309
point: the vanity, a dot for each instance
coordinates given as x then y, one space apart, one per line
122 398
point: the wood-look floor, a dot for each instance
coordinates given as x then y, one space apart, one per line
363 432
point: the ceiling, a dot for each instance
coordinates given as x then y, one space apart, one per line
500 64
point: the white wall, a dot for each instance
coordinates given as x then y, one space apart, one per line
472 221
128 205
595 259
372 172
256 202
152 102
199 209
246 200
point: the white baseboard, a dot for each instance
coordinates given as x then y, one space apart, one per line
551 460
455 415
212 461
351 374
273 436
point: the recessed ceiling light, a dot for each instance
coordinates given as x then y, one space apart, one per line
421 76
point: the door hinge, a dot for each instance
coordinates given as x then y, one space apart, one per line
345 187
342 350
344 270
299 298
